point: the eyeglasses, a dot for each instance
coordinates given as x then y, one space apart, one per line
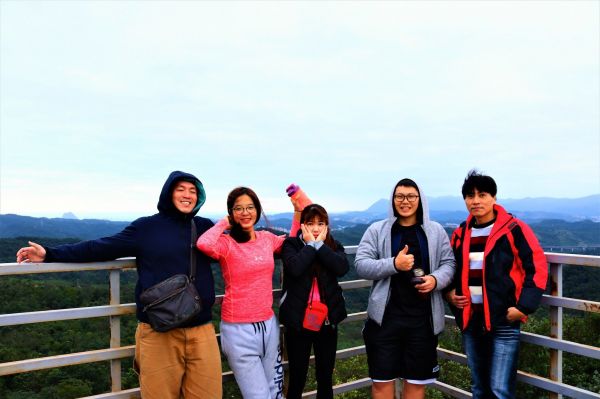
409 197
240 209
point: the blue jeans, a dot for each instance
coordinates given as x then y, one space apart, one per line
492 357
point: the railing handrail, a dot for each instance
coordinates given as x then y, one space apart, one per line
555 342
7 269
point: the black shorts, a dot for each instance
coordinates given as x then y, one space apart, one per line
397 351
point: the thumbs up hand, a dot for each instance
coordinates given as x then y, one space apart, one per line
404 261
404 250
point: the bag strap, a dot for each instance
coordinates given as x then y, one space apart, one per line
193 252
316 290
312 292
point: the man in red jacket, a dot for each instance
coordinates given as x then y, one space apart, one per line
501 274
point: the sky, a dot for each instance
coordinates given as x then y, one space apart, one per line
101 100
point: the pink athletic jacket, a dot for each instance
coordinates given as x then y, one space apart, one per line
247 270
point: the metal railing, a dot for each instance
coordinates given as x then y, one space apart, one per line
115 353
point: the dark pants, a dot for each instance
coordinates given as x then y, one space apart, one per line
298 345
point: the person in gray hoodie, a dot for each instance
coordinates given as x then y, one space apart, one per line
410 261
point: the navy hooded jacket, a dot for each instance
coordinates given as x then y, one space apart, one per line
160 244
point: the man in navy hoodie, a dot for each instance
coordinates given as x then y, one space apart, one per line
184 361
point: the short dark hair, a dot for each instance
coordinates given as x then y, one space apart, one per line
479 181
237 233
406 182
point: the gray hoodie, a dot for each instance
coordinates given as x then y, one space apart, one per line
374 261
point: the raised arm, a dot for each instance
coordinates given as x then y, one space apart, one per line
213 242
295 225
299 200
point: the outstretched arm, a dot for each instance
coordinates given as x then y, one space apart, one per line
102 249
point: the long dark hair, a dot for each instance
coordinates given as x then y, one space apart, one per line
237 233
317 211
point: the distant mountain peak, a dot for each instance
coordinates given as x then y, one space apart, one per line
69 215
380 206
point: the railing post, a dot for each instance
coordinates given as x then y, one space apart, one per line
556 326
115 329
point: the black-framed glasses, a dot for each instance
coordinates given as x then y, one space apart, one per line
240 209
402 197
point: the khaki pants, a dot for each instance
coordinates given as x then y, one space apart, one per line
184 362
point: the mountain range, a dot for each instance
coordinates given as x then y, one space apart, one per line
451 210
446 210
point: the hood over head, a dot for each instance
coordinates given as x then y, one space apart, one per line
422 211
165 201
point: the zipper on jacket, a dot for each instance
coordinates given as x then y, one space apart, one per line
487 317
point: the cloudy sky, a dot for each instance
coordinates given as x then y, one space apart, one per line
100 100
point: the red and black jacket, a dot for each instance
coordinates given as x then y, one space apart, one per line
515 271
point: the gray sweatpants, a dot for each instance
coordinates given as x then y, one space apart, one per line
254 355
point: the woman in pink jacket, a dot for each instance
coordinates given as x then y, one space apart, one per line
249 328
